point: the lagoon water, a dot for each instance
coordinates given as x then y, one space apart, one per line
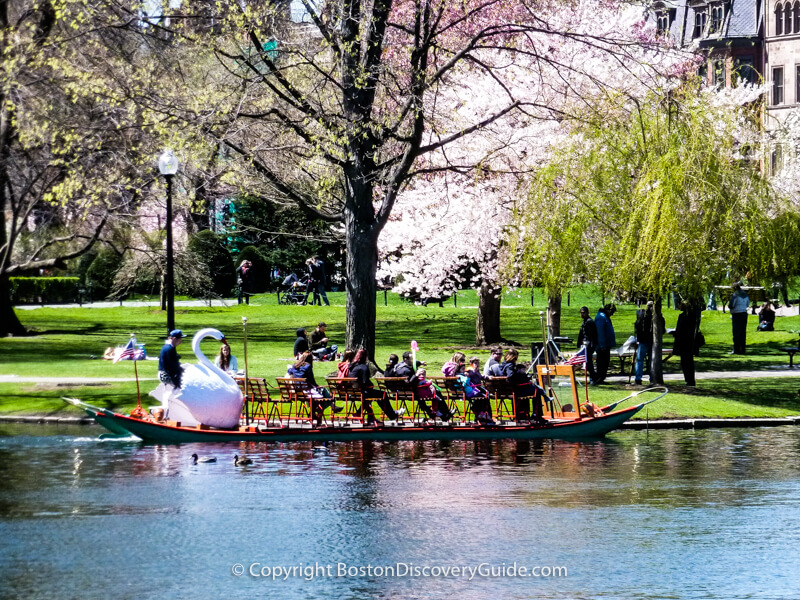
668 514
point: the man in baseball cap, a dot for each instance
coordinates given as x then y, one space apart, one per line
169 364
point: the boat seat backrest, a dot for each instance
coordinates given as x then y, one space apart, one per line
257 388
399 387
294 389
343 386
500 387
450 385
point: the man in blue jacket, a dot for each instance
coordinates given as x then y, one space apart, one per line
606 339
169 364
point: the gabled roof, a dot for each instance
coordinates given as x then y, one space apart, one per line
742 18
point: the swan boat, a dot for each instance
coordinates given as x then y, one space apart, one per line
209 408
166 433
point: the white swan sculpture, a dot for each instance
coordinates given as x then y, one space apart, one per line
207 395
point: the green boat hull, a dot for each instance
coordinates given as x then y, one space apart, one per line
161 433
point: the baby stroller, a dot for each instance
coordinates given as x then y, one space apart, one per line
294 290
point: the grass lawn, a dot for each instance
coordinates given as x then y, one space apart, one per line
67 342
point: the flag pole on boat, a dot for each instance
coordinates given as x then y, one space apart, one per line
246 373
136 374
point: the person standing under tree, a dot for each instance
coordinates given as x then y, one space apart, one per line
685 334
243 274
317 280
606 339
739 303
587 336
644 338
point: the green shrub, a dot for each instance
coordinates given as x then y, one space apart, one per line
44 290
211 250
100 274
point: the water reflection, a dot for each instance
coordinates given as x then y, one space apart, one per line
685 514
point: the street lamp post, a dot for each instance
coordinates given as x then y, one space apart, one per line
168 166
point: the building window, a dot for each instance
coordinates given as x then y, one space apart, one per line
717 15
719 73
700 18
702 73
662 23
797 84
787 19
778 19
744 71
776 160
796 15
777 86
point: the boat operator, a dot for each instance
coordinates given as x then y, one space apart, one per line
169 364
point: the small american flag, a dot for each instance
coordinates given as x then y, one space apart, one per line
130 352
579 358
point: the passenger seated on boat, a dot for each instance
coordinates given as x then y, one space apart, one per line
343 368
405 369
452 366
225 360
476 395
427 390
525 388
474 371
360 371
303 369
390 366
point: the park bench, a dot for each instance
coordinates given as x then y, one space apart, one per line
791 351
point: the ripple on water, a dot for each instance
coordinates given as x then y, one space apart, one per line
707 514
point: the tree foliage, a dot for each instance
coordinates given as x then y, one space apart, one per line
657 198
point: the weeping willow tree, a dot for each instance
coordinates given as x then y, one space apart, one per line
660 196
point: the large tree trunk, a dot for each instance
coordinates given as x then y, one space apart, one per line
656 366
487 323
554 314
362 263
9 323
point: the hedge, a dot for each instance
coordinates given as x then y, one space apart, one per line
44 290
